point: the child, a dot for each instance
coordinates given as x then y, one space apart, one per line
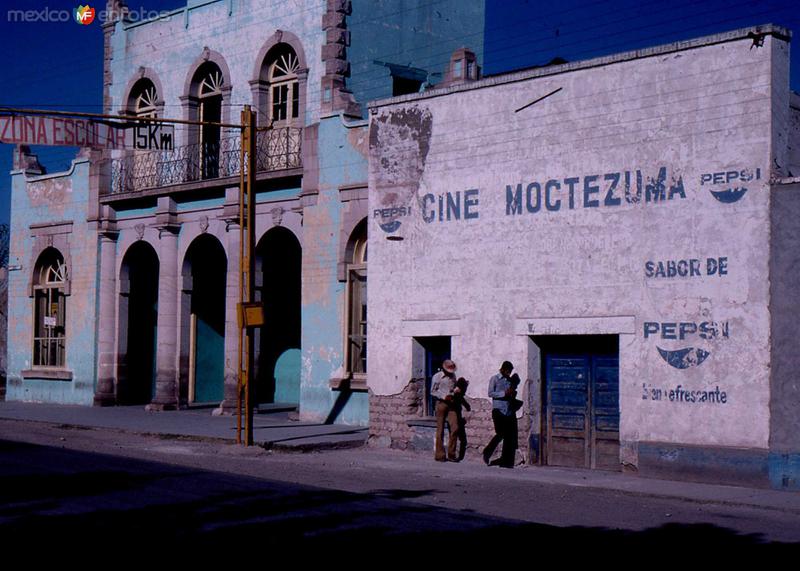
459 398
459 401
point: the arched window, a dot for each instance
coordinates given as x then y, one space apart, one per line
357 302
210 82
49 339
284 85
143 101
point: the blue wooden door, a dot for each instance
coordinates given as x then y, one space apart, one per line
209 361
582 411
567 383
605 413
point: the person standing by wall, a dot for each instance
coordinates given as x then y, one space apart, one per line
503 390
443 389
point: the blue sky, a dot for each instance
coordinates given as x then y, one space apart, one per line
58 65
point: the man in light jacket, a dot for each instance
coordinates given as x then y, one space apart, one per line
443 388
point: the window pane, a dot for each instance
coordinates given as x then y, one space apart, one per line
49 344
279 103
295 99
41 299
357 326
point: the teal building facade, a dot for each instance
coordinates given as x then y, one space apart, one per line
124 270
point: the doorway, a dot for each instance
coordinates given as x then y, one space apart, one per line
138 321
278 360
581 401
206 266
434 351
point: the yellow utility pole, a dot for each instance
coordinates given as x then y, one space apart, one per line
251 314
240 371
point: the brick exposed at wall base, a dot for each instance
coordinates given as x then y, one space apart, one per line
395 420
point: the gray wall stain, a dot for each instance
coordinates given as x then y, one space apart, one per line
785 327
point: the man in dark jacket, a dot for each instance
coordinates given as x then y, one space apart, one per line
503 390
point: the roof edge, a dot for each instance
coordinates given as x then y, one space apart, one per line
512 77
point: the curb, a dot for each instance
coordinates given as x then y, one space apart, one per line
305 448
276 446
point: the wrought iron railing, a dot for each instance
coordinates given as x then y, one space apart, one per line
276 149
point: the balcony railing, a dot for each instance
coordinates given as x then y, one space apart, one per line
276 149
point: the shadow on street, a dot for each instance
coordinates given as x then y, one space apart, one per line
71 497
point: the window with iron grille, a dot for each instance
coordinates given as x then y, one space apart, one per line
50 338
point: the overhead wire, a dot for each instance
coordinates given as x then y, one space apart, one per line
355 83
670 33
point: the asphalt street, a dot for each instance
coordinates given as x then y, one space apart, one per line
76 485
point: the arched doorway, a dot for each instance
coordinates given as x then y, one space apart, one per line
278 259
204 269
138 321
207 92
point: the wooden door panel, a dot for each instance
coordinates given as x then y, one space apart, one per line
582 411
605 413
567 411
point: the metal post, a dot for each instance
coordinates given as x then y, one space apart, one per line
251 265
242 294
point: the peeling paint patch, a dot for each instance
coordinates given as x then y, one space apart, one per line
359 140
402 138
50 192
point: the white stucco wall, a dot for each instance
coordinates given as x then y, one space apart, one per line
691 120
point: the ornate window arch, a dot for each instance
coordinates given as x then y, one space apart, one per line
210 81
143 100
279 84
144 95
284 92
50 284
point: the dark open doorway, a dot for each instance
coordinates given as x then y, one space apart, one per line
278 261
138 321
433 351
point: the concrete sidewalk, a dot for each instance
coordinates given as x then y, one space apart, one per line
272 427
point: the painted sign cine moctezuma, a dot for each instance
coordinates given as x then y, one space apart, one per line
402 140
